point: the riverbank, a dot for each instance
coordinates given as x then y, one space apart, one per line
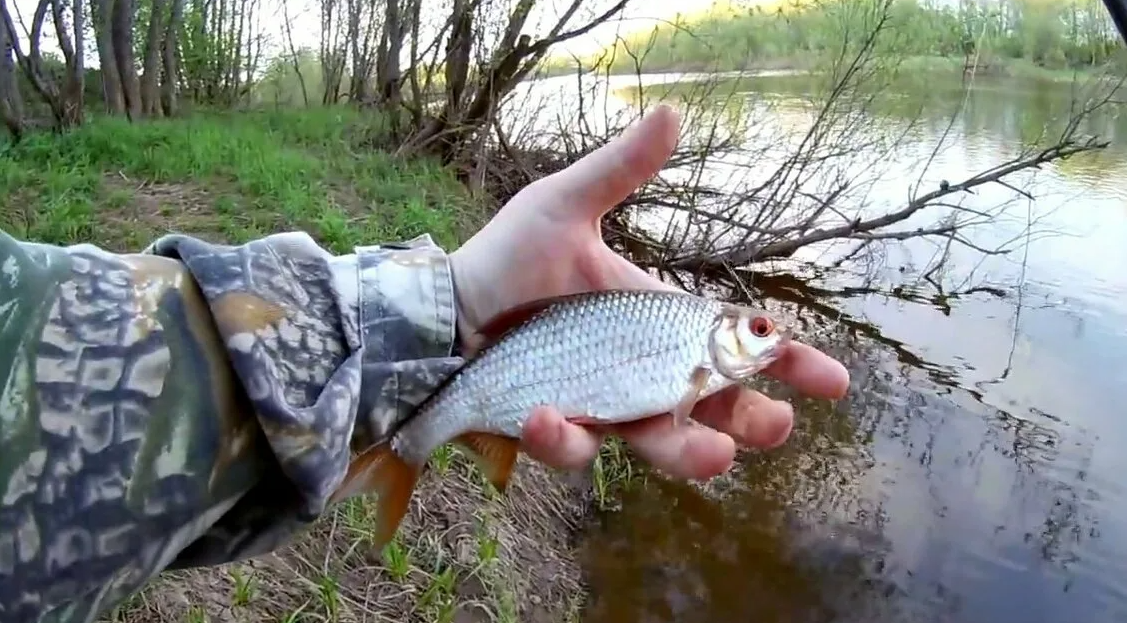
930 67
463 553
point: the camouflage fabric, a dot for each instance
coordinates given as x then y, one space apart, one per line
195 403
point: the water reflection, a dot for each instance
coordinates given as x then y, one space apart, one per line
974 471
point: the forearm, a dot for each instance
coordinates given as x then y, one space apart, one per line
192 405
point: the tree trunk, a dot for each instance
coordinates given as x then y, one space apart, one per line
73 46
11 118
11 102
458 51
389 89
122 33
331 53
102 12
357 79
237 53
413 75
154 44
171 68
391 85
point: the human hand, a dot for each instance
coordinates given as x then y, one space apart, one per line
546 241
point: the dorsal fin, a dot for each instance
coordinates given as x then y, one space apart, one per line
511 319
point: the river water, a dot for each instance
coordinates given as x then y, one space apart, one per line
976 470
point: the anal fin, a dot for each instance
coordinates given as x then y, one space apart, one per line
381 471
494 454
697 382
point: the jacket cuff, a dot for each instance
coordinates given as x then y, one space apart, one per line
407 304
407 314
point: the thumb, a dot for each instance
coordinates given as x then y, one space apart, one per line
606 176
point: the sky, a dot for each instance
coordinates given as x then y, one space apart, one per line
305 20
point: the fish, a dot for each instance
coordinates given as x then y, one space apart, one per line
603 357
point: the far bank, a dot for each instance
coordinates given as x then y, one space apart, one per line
943 67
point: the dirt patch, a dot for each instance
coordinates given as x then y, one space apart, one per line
132 212
464 554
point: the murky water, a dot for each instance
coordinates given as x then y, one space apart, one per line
976 471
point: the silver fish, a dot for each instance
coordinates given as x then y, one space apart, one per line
598 357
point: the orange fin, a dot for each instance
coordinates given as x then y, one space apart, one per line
496 327
494 454
380 470
684 408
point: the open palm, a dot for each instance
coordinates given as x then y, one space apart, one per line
546 242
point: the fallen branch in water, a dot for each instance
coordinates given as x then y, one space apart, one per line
872 229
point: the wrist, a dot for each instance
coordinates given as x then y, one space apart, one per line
464 327
465 320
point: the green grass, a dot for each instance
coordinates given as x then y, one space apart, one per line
612 473
227 177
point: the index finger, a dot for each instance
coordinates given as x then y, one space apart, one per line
810 371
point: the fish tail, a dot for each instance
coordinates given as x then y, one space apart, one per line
381 471
494 455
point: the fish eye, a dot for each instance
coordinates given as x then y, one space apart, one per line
761 326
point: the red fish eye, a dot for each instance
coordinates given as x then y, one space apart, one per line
762 327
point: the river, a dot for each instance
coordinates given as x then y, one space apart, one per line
975 471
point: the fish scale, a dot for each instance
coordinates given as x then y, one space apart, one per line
608 357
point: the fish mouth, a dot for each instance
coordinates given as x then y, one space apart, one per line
769 357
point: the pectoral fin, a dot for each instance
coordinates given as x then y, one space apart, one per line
494 455
684 408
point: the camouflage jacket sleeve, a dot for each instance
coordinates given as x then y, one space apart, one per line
195 403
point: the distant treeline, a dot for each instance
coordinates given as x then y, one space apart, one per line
1054 34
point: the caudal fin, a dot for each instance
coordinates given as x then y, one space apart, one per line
379 470
494 455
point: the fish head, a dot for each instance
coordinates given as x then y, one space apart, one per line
745 340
